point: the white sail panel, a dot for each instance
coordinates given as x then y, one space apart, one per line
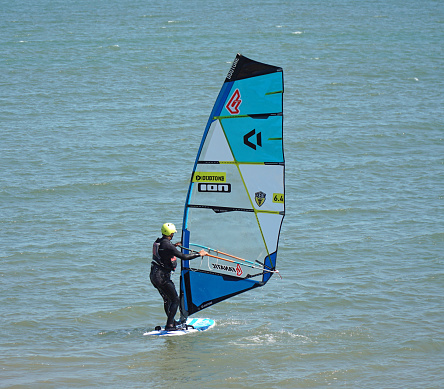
216 147
244 238
219 185
265 180
270 225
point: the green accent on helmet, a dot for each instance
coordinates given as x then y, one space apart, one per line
168 229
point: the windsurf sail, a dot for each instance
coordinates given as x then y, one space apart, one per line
235 203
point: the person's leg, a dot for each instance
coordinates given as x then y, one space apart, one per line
169 290
158 278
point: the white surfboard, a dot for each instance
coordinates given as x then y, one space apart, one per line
192 325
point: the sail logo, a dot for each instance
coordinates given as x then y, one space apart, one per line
278 198
234 103
259 197
219 188
232 69
248 142
209 177
216 266
238 270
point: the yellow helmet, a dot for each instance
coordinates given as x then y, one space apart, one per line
168 229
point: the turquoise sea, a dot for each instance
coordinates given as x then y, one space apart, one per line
102 108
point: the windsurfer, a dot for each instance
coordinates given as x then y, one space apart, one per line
163 263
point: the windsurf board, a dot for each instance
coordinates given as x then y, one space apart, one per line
192 325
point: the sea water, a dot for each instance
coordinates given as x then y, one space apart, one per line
102 108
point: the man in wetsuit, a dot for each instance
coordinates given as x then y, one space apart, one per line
164 262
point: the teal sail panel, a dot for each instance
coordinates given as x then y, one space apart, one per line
235 203
263 143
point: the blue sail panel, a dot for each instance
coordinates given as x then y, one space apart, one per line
256 95
209 289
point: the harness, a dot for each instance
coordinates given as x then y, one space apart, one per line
157 260
156 257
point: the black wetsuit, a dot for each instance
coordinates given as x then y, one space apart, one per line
164 262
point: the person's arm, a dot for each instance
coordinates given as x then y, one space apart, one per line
187 257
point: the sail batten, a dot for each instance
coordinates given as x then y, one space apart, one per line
235 200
